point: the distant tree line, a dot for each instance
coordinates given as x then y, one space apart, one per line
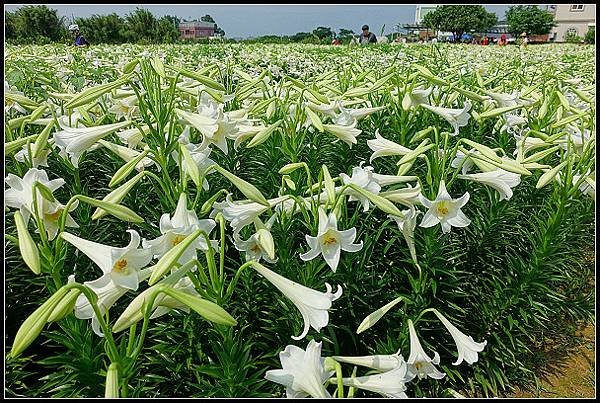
40 25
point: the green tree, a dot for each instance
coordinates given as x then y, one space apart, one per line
530 19
102 28
323 32
34 24
141 27
168 31
590 36
218 30
459 19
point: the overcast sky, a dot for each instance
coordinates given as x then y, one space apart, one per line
254 20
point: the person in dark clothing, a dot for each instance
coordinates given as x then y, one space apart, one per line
80 41
366 36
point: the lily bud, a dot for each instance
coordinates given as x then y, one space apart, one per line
372 318
247 189
27 246
117 195
112 381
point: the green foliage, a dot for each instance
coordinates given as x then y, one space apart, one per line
530 19
459 19
34 24
102 28
571 37
590 36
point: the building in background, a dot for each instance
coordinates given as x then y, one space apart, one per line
422 11
196 29
572 18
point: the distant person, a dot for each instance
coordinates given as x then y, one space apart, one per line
485 41
502 41
80 41
336 41
524 40
366 36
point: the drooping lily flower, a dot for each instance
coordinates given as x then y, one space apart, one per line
416 97
133 137
200 154
504 100
303 372
588 187
76 141
528 143
23 155
175 229
362 177
419 363
383 147
243 212
330 242
127 154
575 137
256 247
120 265
313 304
390 384
409 196
344 128
499 179
407 225
467 164
359 113
125 107
20 196
467 347
379 362
511 121
108 292
456 117
445 210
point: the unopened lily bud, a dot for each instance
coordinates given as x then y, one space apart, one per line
34 324
328 182
549 175
65 306
381 203
207 309
128 68
191 168
265 239
112 381
289 168
27 246
117 195
168 260
208 204
315 120
264 134
372 318
247 189
119 211
126 169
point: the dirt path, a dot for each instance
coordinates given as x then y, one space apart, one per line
573 377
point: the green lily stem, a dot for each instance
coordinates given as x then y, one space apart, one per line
233 283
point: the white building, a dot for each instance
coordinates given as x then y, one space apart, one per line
574 18
422 11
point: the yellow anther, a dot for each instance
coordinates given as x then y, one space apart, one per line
120 265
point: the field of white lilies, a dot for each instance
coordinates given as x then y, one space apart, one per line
299 220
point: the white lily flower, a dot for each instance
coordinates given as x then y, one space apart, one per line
20 196
588 187
409 196
359 113
346 133
504 100
416 97
108 292
23 156
419 363
243 212
133 137
312 304
511 121
9 103
527 143
390 384
175 229
303 372
458 159
254 248
499 179
200 154
361 177
467 347
445 210
127 154
575 137
120 265
407 225
379 362
76 141
383 147
456 117
125 107
330 242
